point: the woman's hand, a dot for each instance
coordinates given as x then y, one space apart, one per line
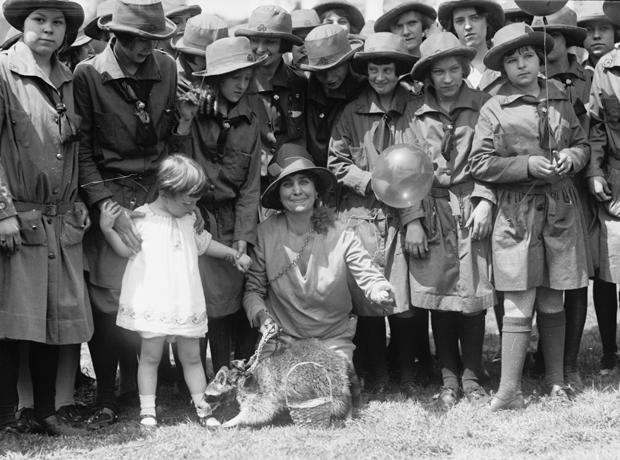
82 211
10 240
242 262
599 188
110 211
384 296
125 227
480 220
416 243
540 167
241 247
563 163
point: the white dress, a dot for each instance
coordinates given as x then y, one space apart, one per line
162 294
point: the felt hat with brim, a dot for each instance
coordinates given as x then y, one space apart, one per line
438 46
174 8
512 37
495 14
142 18
353 14
270 21
293 159
80 40
383 45
16 12
393 9
304 20
564 22
200 32
229 55
11 37
612 10
589 11
91 28
328 46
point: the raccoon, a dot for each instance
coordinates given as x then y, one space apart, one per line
261 396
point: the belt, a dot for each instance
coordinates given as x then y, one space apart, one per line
47 209
537 189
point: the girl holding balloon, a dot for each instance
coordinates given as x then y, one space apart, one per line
528 142
450 254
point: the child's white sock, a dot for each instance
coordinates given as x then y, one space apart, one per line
203 409
147 405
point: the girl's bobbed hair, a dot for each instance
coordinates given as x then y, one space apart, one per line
180 175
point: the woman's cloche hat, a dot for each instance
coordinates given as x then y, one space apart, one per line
16 12
512 37
142 18
383 45
393 9
91 28
354 15
563 21
270 21
228 55
495 13
293 159
200 32
438 46
328 46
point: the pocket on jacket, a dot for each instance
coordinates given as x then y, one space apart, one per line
611 110
73 228
235 164
31 228
613 180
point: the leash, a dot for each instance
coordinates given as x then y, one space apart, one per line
254 359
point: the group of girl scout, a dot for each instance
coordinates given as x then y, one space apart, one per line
520 116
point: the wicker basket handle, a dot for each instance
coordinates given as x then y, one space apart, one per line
305 363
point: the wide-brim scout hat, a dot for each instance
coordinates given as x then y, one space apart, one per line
512 37
142 18
293 159
16 12
438 46
495 13
612 10
228 55
80 40
511 9
328 46
589 11
393 9
383 45
304 20
270 21
353 14
200 32
563 21
91 28
174 8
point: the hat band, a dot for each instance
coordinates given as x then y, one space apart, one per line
228 61
147 18
269 28
325 60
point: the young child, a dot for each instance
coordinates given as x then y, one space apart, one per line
528 140
161 295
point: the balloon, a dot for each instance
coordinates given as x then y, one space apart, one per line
403 175
541 7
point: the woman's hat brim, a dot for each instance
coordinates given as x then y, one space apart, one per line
362 57
231 68
293 39
386 20
356 18
16 12
271 197
344 58
493 58
574 35
421 68
105 23
495 18
177 43
192 10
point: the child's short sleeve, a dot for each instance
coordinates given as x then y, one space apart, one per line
203 239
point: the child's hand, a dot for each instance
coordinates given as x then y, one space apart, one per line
563 163
110 210
540 167
242 262
384 296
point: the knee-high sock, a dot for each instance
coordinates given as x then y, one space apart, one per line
445 332
576 308
515 340
606 307
551 327
471 334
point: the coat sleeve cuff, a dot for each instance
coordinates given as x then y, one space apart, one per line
253 304
357 180
7 209
410 214
484 191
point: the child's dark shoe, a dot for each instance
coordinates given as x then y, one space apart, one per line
25 421
559 393
103 417
476 395
71 414
573 381
512 401
447 398
53 426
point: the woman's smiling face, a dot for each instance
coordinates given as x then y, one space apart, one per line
298 193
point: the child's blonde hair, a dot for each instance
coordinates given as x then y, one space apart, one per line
180 175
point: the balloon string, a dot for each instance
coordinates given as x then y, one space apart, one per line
547 87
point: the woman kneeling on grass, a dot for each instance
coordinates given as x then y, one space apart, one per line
528 141
161 294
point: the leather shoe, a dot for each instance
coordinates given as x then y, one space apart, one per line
512 402
447 398
52 426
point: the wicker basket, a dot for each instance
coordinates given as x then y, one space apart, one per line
311 413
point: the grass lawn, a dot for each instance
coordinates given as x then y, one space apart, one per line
588 427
